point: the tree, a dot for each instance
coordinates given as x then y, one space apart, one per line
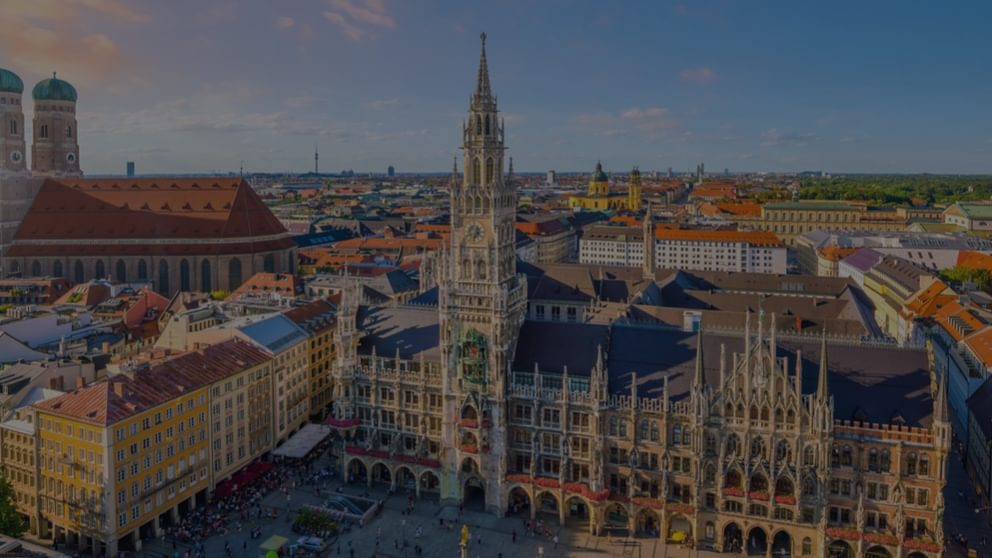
11 521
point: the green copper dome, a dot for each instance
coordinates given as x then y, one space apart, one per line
598 175
54 89
10 83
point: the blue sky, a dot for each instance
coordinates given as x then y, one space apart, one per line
200 85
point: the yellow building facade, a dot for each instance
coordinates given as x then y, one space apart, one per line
599 197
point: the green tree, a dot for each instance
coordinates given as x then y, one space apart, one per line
11 522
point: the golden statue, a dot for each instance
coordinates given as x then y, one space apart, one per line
465 535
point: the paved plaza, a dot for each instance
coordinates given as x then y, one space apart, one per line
491 537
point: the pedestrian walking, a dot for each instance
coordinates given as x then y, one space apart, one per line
513 536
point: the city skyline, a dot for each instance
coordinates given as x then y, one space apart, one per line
889 88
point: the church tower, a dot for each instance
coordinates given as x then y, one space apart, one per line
634 191
55 150
12 119
482 306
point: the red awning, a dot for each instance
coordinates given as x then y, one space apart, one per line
224 489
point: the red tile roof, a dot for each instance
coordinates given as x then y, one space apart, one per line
123 396
147 208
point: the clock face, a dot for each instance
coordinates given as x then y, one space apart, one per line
70 158
16 156
474 232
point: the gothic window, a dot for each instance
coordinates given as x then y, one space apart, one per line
13 127
847 456
911 464
730 410
36 268
783 487
782 451
44 131
184 282
732 445
757 449
476 170
686 439
886 461
655 434
269 264
57 269
764 414
466 269
779 416
487 124
234 274
790 416
677 434
100 272
68 131
142 270
206 283
480 267
489 170
758 483
873 460
807 547
77 272
163 277
645 429
709 474
478 125
924 466
732 479
809 486
121 271
754 413
710 444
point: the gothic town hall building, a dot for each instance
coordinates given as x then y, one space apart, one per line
506 389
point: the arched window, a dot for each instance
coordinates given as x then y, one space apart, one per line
57 269
847 456
206 282
807 547
68 131
911 464
478 125
645 430
710 532
709 475
269 264
655 433
142 270
686 436
886 461
99 271
121 272
77 272
480 268
782 451
184 283
489 170
754 413
710 444
873 460
36 268
732 445
809 486
924 466
476 170
757 449
234 274
163 277
677 434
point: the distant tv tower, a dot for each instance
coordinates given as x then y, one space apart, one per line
315 158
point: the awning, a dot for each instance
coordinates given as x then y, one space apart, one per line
224 489
303 442
275 542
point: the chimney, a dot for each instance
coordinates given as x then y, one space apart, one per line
119 388
80 382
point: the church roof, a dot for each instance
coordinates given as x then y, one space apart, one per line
159 208
54 89
10 82
598 175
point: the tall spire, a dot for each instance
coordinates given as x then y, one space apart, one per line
649 265
940 405
482 90
822 392
700 373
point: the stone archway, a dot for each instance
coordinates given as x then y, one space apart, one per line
518 502
878 552
405 479
840 549
616 518
474 494
781 545
429 482
577 513
357 471
547 504
381 473
733 538
679 528
647 523
757 542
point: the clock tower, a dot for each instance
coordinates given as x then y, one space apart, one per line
482 306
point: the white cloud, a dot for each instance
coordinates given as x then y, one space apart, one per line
698 76
776 137
284 22
358 18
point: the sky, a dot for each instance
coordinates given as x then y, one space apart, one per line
195 86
